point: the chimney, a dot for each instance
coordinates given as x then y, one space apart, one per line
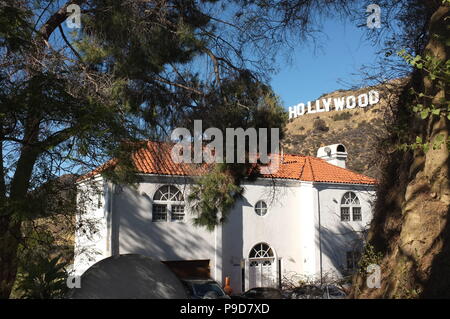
335 154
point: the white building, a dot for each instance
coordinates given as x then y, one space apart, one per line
306 220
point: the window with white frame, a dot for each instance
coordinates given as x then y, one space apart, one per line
159 212
356 211
350 207
261 208
177 212
168 204
261 250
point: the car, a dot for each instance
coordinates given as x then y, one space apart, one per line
261 293
204 289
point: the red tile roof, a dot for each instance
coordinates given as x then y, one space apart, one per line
313 169
155 158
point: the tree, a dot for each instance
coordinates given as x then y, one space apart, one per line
411 223
69 101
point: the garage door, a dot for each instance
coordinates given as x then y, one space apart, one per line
191 269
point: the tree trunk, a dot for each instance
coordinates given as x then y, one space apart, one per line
13 208
411 225
9 242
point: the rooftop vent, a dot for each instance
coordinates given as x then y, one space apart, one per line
335 154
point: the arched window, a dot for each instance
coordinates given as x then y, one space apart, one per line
168 193
350 204
168 204
261 208
261 250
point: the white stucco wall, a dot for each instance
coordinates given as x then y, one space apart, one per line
278 228
336 236
91 238
164 240
290 228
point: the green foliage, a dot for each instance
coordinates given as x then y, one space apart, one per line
94 53
213 196
418 144
438 72
43 278
241 102
15 32
370 256
68 103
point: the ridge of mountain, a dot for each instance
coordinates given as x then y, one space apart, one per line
359 129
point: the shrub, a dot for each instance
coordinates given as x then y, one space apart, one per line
44 279
320 125
341 116
370 256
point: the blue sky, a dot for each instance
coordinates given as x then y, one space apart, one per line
310 74
342 50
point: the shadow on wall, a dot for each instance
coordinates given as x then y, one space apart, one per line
334 247
337 238
172 241
161 240
233 244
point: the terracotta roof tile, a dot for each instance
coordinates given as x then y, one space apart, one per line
155 158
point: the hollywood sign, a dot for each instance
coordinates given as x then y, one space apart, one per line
335 104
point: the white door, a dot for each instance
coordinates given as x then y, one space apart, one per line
268 273
262 273
262 267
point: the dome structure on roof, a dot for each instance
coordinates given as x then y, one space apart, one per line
335 154
130 276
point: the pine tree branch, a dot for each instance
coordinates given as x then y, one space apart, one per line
68 43
57 19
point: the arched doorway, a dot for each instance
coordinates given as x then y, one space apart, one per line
262 266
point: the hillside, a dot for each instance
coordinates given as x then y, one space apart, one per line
359 129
